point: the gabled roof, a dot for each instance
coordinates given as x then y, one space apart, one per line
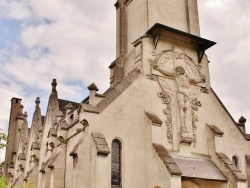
63 103
112 93
201 43
93 87
246 136
199 168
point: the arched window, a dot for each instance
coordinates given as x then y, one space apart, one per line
72 117
235 160
116 164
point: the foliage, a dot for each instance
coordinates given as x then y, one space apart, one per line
3 182
28 185
3 139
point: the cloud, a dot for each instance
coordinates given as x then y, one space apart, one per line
66 42
74 41
55 39
226 22
13 9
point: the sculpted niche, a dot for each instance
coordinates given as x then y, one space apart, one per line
178 76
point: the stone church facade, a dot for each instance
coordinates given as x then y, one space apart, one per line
158 125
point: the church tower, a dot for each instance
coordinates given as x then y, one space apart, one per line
138 20
162 39
159 125
135 17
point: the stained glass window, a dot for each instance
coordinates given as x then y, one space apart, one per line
116 163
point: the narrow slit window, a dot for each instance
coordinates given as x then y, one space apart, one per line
116 164
235 161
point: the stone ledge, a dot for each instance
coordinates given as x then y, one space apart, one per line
167 159
216 130
73 153
101 144
247 159
230 165
154 118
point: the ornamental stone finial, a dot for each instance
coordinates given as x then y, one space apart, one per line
54 83
25 115
37 101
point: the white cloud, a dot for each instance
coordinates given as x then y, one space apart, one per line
75 41
226 22
57 39
63 35
14 9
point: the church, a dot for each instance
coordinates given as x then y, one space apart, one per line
158 125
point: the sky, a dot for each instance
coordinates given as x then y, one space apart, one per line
74 42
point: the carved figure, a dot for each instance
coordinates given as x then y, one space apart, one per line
183 93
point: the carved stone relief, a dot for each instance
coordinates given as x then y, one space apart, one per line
166 99
204 90
178 76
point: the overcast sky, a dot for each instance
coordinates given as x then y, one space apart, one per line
74 42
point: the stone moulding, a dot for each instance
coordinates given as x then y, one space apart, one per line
101 143
247 159
28 173
216 130
49 162
231 166
78 130
112 93
15 181
167 159
11 167
35 146
201 44
119 88
73 153
74 122
21 156
156 121
52 132
11 164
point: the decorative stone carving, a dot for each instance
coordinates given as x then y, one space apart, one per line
152 77
168 122
204 90
24 134
178 75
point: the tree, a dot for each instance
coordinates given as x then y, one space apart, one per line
3 182
3 139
